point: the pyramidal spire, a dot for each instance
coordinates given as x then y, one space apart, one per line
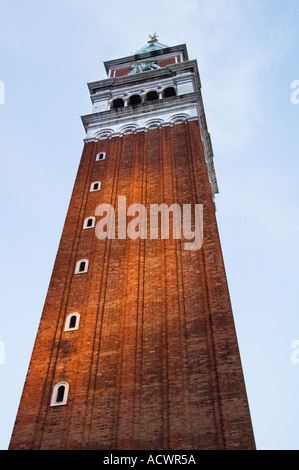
152 45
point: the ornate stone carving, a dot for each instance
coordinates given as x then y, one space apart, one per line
137 67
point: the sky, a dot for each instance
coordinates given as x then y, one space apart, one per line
248 59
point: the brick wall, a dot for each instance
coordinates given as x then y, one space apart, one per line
155 361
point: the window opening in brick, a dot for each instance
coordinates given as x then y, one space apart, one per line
60 394
82 266
101 156
73 321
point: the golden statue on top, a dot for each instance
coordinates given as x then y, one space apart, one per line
154 37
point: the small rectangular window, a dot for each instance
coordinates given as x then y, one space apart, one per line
100 156
81 266
95 186
60 394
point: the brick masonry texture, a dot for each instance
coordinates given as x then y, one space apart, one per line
155 361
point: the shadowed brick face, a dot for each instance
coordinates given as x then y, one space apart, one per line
155 361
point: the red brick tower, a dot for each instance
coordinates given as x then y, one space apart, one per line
136 347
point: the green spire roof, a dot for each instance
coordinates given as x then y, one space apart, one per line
152 45
149 48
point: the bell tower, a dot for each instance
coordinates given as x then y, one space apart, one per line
136 347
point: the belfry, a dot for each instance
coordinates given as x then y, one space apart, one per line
136 347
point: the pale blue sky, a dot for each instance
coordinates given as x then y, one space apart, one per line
247 55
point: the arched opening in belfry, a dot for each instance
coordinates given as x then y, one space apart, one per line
151 96
168 92
118 103
135 99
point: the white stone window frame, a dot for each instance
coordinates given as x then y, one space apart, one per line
98 159
77 269
92 186
54 401
68 322
85 226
